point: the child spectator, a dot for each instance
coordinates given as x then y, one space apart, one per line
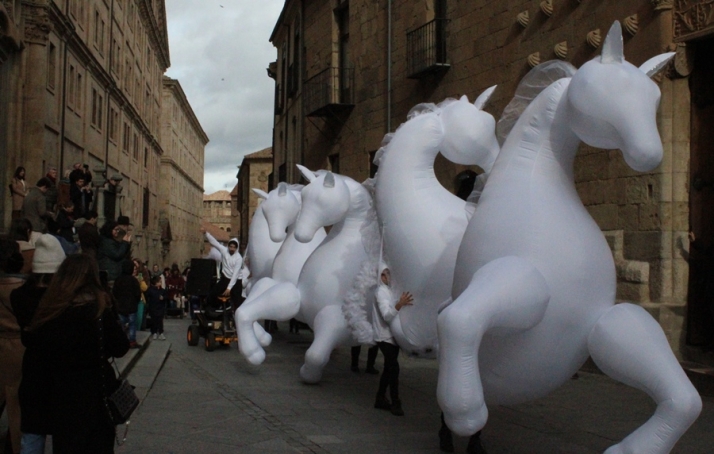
156 301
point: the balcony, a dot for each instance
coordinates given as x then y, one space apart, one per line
329 92
426 49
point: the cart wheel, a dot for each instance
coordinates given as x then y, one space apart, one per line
192 335
210 342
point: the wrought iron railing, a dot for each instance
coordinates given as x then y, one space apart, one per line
331 87
426 48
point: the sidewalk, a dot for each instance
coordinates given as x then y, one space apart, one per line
207 402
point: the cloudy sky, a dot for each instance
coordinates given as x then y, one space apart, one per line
219 53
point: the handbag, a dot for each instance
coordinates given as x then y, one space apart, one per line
122 401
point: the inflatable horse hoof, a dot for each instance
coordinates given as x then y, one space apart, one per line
469 424
310 375
264 339
256 357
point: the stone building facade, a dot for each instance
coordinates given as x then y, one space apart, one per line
184 142
348 71
81 82
254 172
217 210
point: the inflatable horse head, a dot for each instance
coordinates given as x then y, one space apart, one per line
281 208
613 104
325 201
469 137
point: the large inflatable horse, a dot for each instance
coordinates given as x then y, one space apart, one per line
534 286
423 223
261 250
281 208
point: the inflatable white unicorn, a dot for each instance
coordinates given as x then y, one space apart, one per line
534 286
280 208
261 250
423 223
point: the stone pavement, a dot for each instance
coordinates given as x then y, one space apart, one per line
205 402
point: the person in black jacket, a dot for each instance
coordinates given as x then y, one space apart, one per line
127 294
156 298
65 360
114 248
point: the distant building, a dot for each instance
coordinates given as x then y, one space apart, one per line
254 172
181 175
217 210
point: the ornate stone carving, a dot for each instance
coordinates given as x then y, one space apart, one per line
37 23
631 24
683 61
693 19
547 7
561 50
594 38
523 18
661 5
534 59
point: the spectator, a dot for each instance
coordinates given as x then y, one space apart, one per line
18 189
52 193
175 286
35 208
11 349
65 222
127 294
20 231
88 234
25 300
156 301
71 334
80 195
114 247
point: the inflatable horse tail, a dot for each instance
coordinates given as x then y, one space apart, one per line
356 307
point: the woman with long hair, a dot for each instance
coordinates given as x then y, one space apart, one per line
19 191
67 360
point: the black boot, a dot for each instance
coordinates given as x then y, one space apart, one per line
474 446
382 403
446 440
397 408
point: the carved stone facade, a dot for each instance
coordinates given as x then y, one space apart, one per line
217 210
86 87
693 19
645 217
182 164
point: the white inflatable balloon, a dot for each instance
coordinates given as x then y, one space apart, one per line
423 223
261 250
330 272
534 286
280 208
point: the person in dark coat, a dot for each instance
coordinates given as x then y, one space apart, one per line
127 294
88 234
47 258
114 247
65 360
65 222
156 299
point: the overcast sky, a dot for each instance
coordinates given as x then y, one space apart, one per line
219 53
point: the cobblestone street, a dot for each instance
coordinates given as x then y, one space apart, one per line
205 402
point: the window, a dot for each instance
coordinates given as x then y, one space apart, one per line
97 107
99 31
136 147
52 66
113 121
72 86
127 135
146 157
145 211
78 93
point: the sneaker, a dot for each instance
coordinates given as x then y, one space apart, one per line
397 408
162 337
134 344
372 370
155 336
382 403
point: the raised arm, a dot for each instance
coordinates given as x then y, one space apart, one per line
215 243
